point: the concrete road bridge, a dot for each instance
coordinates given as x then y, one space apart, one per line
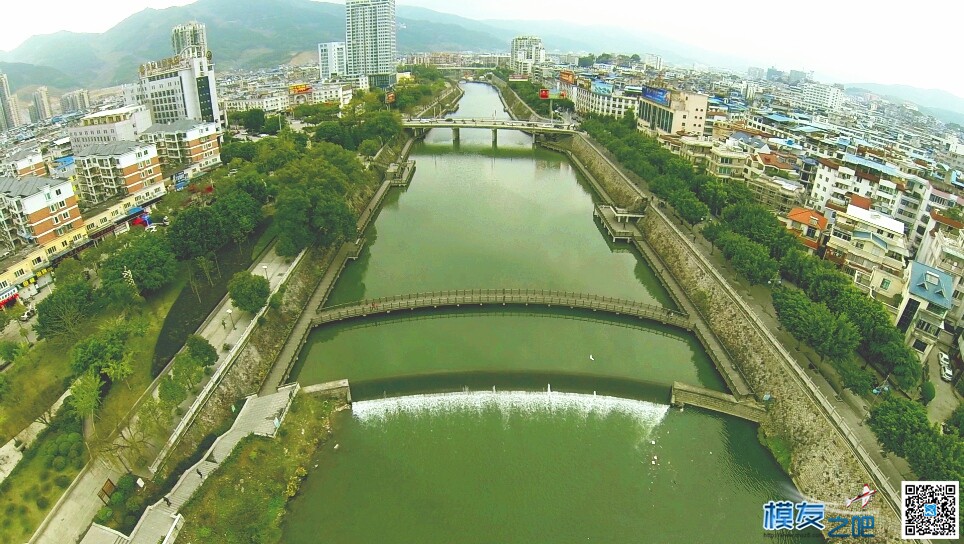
532 127
504 297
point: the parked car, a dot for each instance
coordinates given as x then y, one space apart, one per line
947 374
151 228
30 312
943 358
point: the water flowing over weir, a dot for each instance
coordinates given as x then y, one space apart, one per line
646 415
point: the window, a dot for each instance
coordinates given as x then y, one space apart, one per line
65 216
57 192
19 273
885 284
37 261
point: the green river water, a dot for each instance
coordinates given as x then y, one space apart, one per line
495 426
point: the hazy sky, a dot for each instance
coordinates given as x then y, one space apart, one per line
842 40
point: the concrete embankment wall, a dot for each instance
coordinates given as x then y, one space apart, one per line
824 466
517 108
339 390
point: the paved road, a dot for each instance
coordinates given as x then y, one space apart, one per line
946 400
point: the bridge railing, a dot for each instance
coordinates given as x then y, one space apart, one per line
495 296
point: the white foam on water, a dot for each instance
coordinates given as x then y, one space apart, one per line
646 414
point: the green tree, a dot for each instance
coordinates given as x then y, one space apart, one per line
793 308
838 339
4 386
85 394
188 371
956 420
201 350
64 311
171 392
70 270
858 380
240 212
332 219
899 424
119 369
148 257
937 457
196 231
249 292
927 392
10 351
369 148
291 223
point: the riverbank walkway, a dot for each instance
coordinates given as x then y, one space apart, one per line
619 223
746 408
516 297
162 521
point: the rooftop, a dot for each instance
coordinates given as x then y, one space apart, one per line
808 217
109 148
875 218
931 284
883 168
25 186
177 126
115 111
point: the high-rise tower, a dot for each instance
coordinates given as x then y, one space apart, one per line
371 47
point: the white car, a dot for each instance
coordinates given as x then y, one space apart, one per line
943 358
947 374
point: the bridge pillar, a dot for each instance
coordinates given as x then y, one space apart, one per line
495 137
455 134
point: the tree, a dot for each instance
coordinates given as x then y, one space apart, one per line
85 394
838 339
291 223
899 424
937 457
196 231
858 380
332 219
188 371
201 350
587 61
248 291
70 270
4 386
98 350
956 421
927 392
119 369
10 351
240 212
369 148
148 257
153 417
171 392
64 311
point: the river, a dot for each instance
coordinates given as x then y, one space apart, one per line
524 425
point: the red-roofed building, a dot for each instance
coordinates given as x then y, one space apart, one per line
809 226
860 201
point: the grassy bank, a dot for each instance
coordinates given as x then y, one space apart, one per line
779 447
244 500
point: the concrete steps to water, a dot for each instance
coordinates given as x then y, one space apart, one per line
716 401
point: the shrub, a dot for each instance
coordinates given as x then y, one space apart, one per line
927 392
44 475
59 463
118 498
126 483
104 515
62 481
42 503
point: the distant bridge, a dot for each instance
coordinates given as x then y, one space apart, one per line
515 297
494 124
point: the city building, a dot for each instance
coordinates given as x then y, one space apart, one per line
755 73
809 226
15 117
116 168
36 210
269 102
525 53
41 103
29 162
185 145
182 86
925 302
75 101
870 246
817 96
120 124
6 114
600 97
653 62
667 111
370 41
331 60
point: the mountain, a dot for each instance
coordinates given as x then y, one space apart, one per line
933 99
241 34
21 75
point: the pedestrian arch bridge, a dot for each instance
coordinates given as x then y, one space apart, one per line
503 297
543 127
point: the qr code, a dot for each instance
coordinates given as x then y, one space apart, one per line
929 510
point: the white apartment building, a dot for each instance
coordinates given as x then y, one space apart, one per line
943 249
331 60
117 168
370 41
182 86
871 247
185 143
340 93
602 99
667 111
75 101
817 96
110 126
273 102
525 53
925 303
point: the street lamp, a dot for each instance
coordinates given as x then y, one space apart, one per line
265 268
233 325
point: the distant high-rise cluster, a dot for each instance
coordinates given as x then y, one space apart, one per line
525 53
41 104
9 106
75 101
370 41
182 86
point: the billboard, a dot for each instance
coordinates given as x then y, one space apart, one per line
601 87
567 76
655 94
301 88
518 77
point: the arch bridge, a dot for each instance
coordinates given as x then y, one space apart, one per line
503 297
532 127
